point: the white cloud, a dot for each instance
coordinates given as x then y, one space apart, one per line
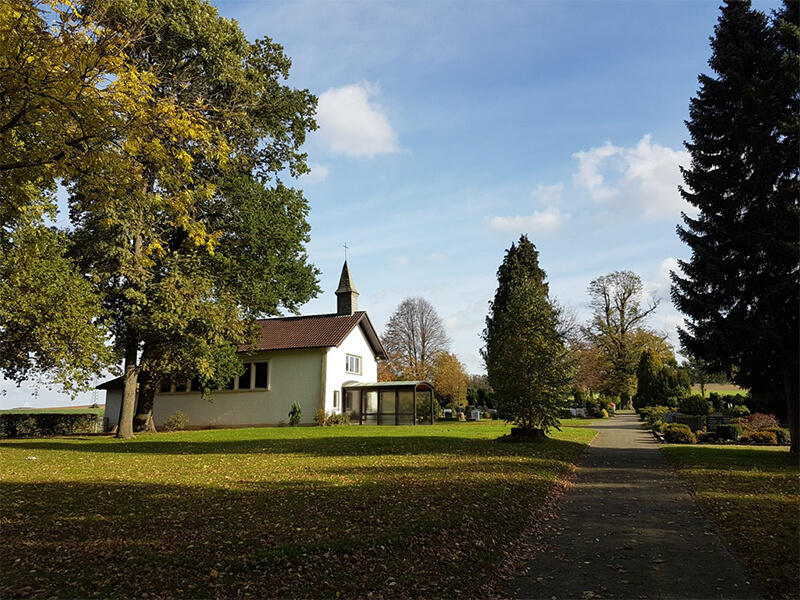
350 124
644 178
549 195
437 257
318 174
401 260
544 222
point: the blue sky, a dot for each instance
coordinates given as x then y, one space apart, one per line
449 128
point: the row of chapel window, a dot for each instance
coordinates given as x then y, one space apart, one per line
255 377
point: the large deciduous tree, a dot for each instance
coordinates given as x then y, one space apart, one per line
65 94
739 290
201 235
620 311
527 362
414 335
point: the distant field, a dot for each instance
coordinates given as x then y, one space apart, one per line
722 389
305 512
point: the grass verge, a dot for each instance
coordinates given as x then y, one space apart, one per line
287 512
751 493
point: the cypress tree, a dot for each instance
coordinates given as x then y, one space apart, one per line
527 363
739 290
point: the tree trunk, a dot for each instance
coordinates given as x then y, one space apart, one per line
143 419
125 429
790 379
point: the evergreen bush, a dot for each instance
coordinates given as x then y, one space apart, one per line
295 414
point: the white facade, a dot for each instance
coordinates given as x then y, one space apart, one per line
337 373
313 377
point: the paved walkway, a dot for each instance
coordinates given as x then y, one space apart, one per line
629 529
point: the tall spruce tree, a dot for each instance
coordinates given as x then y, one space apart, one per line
739 290
527 362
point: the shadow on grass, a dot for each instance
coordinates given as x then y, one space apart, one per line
372 445
381 532
735 457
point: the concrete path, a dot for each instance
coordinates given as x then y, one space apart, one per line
629 529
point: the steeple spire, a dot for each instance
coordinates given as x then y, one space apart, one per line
346 294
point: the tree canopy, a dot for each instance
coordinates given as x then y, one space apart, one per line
67 94
739 290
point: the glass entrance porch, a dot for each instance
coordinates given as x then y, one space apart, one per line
392 402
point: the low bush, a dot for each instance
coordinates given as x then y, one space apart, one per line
321 417
675 433
339 419
782 435
176 422
324 419
763 437
15 425
729 432
759 422
705 437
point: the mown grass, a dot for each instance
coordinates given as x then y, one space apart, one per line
753 496
288 512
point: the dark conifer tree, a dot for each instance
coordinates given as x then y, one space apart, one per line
739 290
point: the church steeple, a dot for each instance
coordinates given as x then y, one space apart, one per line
346 294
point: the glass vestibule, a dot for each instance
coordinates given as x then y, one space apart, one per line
392 403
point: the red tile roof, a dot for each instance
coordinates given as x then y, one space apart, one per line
314 331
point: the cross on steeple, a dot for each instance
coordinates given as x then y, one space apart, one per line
345 251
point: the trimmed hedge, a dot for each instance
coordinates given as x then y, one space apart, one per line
16 425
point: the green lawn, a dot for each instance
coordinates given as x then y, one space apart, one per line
290 512
753 495
722 389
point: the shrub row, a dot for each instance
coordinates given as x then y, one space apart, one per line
17 425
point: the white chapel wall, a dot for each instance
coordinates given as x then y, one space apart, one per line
355 344
294 375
